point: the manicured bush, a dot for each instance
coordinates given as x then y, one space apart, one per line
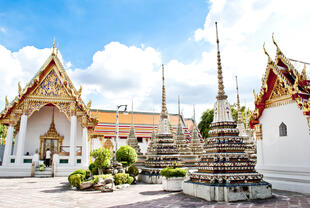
130 180
133 170
173 172
93 168
82 172
102 158
126 155
75 180
104 176
122 178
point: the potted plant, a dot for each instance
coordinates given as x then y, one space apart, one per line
172 178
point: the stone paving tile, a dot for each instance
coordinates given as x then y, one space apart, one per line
56 192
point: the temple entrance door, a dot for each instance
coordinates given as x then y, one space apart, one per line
52 145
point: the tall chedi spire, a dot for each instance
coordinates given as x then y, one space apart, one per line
179 128
132 139
221 93
163 127
163 151
196 145
240 125
222 111
225 172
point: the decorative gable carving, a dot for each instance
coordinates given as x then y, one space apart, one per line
51 86
279 90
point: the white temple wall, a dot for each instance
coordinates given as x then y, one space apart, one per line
284 160
39 123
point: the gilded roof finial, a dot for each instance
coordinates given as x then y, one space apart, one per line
221 93
164 113
238 103
304 73
53 50
269 59
57 49
80 91
274 42
89 104
6 102
19 89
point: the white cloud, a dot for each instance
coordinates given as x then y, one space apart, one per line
244 25
119 73
3 30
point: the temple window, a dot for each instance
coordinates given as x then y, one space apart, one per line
283 129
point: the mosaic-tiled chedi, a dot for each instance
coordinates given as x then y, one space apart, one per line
248 141
163 151
132 139
196 143
180 139
225 171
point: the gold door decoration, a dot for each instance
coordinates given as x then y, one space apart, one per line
51 139
108 145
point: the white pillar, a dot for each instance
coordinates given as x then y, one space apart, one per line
73 134
21 140
8 146
85 150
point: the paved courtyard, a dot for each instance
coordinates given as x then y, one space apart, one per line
55 192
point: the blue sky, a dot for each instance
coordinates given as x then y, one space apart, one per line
84 27
115 49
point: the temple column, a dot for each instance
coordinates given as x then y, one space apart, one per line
8 146
21 140
73 134
85 151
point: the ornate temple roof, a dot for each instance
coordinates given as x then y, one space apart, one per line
51 84
281 84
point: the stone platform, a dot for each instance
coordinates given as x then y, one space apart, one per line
229 193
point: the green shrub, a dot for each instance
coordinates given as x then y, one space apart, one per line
122 178
82 172
93 168
126 155
102 158
173 172
75 180
130 180
133 170
104 176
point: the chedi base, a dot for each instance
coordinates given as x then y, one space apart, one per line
229 193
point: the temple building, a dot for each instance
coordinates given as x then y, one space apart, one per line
48 113
144 124
282 124
225 172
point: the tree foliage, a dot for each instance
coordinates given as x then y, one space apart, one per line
126 155
3 131
207 118
102 158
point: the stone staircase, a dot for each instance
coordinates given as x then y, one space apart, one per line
43 174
